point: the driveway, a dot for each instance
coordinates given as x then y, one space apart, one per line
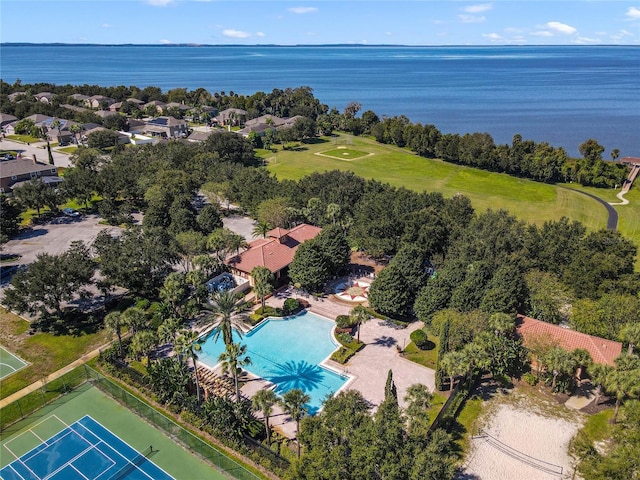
240 225
37 151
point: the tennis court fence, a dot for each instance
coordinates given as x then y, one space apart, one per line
170 428
40 398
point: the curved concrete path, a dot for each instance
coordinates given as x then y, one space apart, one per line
623 201
612 220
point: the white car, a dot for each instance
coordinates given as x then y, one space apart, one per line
70 212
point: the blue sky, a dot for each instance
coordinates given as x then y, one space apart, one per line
417 22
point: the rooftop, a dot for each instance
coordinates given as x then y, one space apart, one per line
601 349
275 252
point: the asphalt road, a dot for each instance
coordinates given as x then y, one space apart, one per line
39 150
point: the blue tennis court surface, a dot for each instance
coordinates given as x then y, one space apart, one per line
84 450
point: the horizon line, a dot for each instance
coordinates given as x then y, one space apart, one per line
311 45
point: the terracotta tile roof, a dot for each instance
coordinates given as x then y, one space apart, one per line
275 252
630 160
601 350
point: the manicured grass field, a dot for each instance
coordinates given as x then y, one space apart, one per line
532 201
344 153
45 352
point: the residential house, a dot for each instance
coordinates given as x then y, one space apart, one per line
180 106
134 101
104 113
275 252
21 170
6 119
535 331
198 136
44 97
98 101
154 103
166 127
232 116
15 96
80 97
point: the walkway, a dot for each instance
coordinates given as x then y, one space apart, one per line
57 374
626 186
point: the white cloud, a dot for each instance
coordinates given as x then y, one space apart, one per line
626 33
542 33
302 10
164 41
561 28
159 3
478 8
586 40
388 33
494 37
106 25
232 33
260 34
513 30
471 19
633 13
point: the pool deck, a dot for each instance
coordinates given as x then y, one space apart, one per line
368 367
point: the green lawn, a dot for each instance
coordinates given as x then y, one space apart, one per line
532 201
24 138
69 150
344 153
45 352
426 357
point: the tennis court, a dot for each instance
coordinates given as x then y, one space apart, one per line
88 435
9 363
83 450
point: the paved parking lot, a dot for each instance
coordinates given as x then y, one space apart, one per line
54 237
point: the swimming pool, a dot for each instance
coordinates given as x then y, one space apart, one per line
288 352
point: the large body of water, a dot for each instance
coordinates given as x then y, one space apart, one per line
562 95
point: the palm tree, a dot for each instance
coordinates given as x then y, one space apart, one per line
264 401
261 229
599 373
135 319
114 324
333 211
583 360
233 359
502 323
186 344
418 398
622 384
293 402
57 124
558 361
142 344
168 330
76 128
224 308
454 364
630 333
360 315
262 283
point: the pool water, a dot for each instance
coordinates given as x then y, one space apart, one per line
287 352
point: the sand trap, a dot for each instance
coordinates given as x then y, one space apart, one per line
526 439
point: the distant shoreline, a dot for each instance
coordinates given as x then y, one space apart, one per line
319 45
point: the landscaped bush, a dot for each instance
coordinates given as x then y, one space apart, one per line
419 337
530 378
344 338
342 355
291 306
345 322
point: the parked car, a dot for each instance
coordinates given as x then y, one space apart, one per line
70 212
